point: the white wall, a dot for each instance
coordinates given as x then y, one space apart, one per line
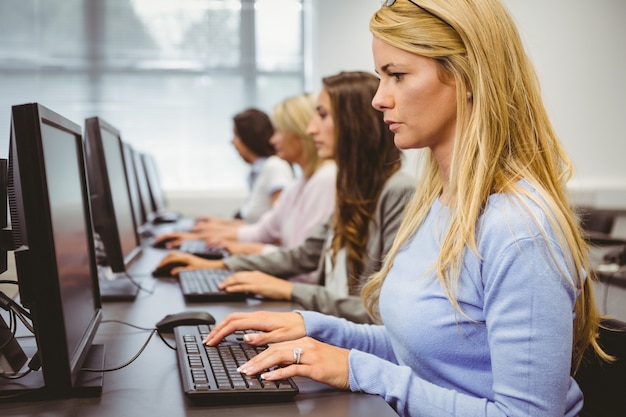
578 49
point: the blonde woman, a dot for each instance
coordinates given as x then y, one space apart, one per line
485 296
302 206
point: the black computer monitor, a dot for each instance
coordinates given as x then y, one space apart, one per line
133 186
154 183
110 196
143 187
159 205
54 253
5 243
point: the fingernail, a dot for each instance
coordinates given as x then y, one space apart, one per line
247 338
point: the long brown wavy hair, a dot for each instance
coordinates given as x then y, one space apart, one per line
366 157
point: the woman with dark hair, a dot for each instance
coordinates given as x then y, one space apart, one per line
269 174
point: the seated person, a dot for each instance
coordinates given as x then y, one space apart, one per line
269 174
301 207
371 195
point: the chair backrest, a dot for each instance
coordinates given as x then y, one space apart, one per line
604 383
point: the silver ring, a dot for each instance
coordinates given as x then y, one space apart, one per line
297 352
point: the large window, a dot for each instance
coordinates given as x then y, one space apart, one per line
170 74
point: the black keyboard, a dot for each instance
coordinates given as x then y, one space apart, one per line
209 374
201 285
199 248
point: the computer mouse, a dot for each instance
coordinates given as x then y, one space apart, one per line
162 244
165 271
185 318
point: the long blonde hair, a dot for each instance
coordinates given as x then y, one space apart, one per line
293 115
504 137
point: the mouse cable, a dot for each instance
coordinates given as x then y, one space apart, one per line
137 284
165 341
141 328
117 368
126 324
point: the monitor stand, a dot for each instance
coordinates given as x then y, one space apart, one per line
32 387
116 287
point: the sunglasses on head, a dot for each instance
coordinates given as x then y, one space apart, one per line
389 3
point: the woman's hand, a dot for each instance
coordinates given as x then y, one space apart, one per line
316 360
276 327
260 283
190 261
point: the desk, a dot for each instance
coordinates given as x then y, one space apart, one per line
151 386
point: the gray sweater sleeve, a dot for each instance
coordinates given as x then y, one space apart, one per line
318 298
284 263
396 194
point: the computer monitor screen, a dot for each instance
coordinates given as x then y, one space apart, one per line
110 196
133 186
5 242
144 188
154 183
52 234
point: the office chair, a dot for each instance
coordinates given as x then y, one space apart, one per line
604 383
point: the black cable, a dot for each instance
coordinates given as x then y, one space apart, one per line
152 330
127 363
126 324
165 341
137 284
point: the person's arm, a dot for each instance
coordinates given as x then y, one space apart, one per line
397 193
318 298
267 228
394 197
285 262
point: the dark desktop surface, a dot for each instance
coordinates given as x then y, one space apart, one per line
151 386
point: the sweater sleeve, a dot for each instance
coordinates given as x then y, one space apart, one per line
343 333
284 262
318 298
300 208
397 192
267 228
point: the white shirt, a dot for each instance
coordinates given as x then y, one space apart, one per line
267 176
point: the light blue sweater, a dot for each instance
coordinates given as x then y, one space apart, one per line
511 359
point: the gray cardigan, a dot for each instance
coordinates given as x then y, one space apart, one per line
307 257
